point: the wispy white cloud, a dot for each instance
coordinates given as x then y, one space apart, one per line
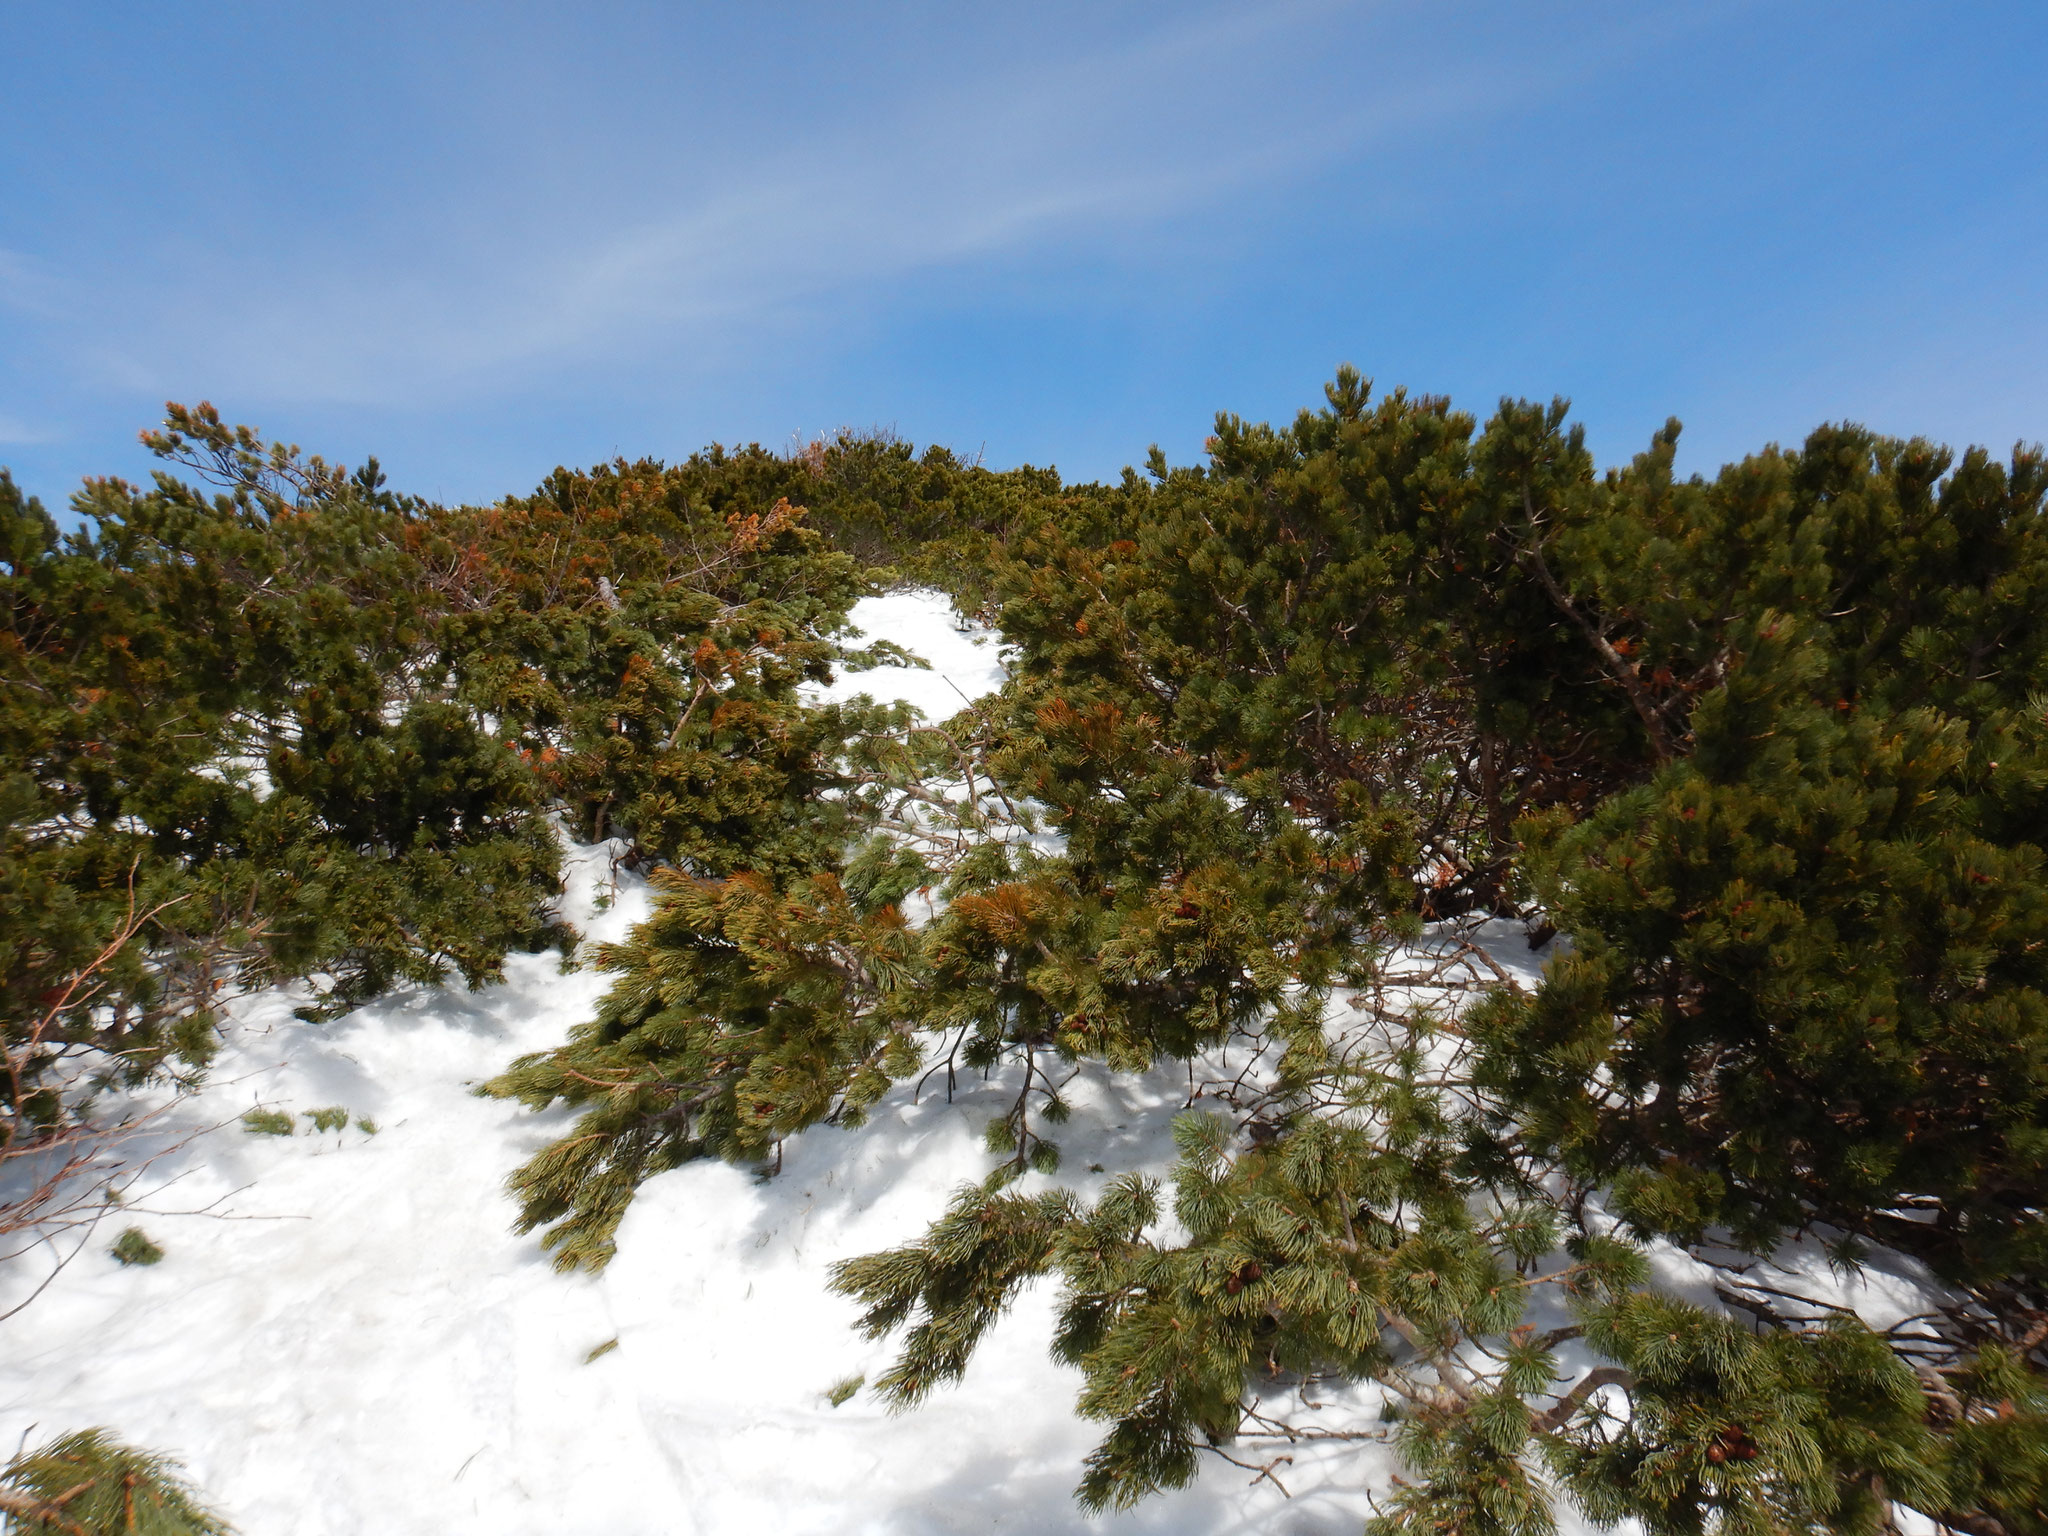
989 163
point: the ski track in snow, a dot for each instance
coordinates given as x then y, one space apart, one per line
351 1339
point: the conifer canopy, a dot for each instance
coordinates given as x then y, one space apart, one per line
1293 741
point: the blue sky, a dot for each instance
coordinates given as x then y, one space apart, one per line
479 240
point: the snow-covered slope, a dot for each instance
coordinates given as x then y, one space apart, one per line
344 1336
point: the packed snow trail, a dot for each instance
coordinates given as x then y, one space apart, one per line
346 1338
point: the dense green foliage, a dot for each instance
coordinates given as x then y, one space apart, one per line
1284 732
1767 747
230 761
295 727
1811 966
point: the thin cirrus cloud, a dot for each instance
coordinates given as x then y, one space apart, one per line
1104 144
1105 147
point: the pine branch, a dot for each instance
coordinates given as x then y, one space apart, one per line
1555 1418
1619 666
20 1506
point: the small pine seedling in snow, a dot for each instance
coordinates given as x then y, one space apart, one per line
267 1122
366 1125
332 1118
134 1247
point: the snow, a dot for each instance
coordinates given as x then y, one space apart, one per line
345 1336
965 659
